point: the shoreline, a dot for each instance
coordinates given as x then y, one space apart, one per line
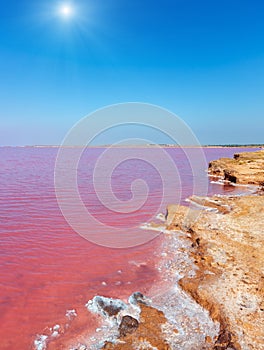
227 250
233 289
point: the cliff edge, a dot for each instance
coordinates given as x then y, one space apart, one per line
244 168
228 250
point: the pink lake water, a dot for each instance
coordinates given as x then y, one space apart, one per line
47 268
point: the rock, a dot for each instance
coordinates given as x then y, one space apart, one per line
146 334
136 298
128 325
244 168
107 307
229 176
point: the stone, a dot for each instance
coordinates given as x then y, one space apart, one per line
128 325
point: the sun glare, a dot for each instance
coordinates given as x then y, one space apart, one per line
66 11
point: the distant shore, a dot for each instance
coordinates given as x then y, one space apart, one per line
141 146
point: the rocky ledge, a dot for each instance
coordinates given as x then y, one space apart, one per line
244 168
228 250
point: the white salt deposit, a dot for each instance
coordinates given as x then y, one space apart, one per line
70 314
40 342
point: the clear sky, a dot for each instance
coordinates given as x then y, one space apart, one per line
201 59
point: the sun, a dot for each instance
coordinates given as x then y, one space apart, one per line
66 10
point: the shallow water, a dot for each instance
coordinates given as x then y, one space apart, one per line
47 268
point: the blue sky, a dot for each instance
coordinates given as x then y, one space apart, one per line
203 60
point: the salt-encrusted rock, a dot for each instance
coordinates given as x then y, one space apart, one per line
138 297
107 307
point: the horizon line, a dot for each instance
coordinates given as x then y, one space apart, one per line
136 145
